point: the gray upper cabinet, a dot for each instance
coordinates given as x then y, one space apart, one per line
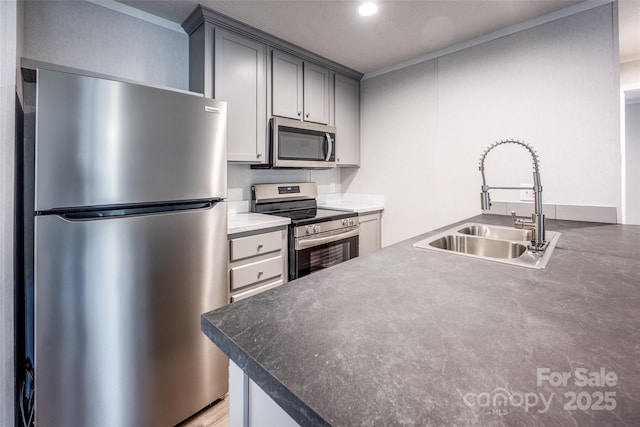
347 120
286 90
240 79
233 68
316 93
260 76
300 89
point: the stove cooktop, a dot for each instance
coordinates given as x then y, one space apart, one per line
296 201
312 215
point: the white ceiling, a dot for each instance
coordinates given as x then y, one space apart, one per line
400 31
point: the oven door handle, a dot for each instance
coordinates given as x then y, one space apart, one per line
316 241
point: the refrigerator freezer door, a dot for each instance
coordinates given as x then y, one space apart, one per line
117 327
103 142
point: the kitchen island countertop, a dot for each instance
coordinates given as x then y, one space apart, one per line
407 336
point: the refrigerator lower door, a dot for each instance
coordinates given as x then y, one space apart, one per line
117 317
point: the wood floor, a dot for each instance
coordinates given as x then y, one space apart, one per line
215 416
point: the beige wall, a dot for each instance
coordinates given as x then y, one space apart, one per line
632 162
555 86
630 75
630 84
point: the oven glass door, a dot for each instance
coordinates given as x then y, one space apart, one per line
323 256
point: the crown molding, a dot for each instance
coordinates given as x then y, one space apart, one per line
139 14
203 15
562 13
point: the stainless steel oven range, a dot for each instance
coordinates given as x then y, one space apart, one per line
318 238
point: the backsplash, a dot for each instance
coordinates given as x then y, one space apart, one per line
608 214
240 178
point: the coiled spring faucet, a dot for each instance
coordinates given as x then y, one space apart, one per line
536 223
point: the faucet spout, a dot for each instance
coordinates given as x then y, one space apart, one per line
537 219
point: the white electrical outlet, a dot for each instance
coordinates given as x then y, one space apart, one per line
332 187
526 194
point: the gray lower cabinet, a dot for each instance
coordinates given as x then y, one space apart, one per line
370 233
347 120
250 406
299 89
257 262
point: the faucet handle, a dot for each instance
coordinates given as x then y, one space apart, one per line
514 219
519 222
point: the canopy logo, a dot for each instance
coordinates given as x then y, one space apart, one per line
501 399
586 398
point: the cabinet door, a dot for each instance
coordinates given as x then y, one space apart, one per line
347 120
250 405
240 79
369 239
316 93
286 90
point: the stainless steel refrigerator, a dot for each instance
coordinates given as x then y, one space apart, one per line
125 247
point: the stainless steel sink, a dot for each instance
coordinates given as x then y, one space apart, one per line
493 232
493 243
480 246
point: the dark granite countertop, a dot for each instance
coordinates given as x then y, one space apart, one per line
406 336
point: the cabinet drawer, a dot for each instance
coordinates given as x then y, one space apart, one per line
256 272
245 247
239 296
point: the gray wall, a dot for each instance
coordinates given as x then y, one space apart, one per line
555 86
8 31
89 37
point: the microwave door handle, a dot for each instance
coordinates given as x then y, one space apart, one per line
329 146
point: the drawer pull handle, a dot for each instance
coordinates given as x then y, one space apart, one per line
260 273
259 247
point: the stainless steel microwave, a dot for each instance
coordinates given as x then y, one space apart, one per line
298 144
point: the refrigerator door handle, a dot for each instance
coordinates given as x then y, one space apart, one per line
118 211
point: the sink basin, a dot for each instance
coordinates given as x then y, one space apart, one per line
506 245
493 232
480 246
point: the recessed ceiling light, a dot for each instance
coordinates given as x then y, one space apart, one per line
367 9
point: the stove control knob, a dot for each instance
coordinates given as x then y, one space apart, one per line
308 229
316 228
350 221
345 222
